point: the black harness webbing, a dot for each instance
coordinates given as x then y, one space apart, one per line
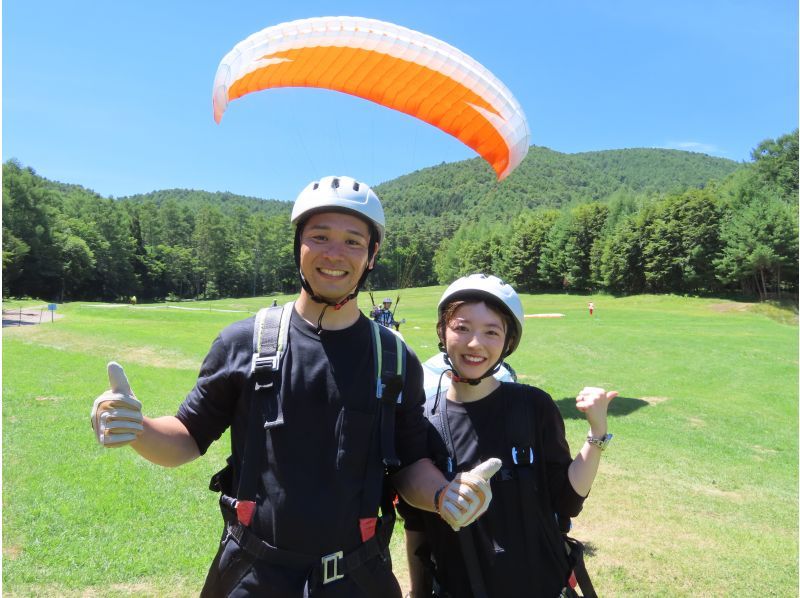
269 342
322 570
270 334
520 437
519 434
465 539
390 359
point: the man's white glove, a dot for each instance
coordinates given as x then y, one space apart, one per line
466 498
117 414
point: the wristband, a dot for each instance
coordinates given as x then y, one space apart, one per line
436 496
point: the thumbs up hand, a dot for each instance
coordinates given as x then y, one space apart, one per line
467 497
594 401
117 414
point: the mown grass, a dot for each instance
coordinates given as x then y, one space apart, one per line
696 496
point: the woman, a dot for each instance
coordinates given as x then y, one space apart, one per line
516 548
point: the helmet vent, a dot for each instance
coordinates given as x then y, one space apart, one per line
316 186
355 185
335 183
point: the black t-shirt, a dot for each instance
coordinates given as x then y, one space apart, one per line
310 488
512 564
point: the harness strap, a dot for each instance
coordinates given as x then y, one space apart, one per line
470 555
439 421
389 357
388 353
466 538
580 573
322 570
269 342
520 436
270 334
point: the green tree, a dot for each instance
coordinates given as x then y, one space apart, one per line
776 166
529 234
760 246
213 246
681 240
567 257
474 248
76 260
621 267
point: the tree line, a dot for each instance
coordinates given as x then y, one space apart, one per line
738 235
625 221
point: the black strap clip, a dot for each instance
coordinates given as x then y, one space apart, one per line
522 455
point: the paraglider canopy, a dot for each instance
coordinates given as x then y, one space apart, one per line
390 65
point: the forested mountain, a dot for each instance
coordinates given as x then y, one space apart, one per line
193 200
624 220
546 178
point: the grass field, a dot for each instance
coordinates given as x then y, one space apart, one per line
698 494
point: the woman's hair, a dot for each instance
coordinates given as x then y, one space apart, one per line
450 309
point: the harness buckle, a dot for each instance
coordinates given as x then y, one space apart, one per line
261 361
330 567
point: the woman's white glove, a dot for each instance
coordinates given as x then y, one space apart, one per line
117 414
467 497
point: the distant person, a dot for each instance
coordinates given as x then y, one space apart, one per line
384 315
133 300
301 495
517 548
274 303
591 308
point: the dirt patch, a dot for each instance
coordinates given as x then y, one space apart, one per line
49 398
11 552
730 306
764 450
29 316
61 339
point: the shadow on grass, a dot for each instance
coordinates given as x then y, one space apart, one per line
16 322
620 406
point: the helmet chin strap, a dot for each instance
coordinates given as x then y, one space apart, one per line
327 302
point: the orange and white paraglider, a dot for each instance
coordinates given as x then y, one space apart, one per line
393 66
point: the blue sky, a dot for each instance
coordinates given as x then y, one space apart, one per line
116 96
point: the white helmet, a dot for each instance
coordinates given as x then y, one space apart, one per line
387 300
340 193
482 286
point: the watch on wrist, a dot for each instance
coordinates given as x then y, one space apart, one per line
600 442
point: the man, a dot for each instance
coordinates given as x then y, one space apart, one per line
307 534
384 315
